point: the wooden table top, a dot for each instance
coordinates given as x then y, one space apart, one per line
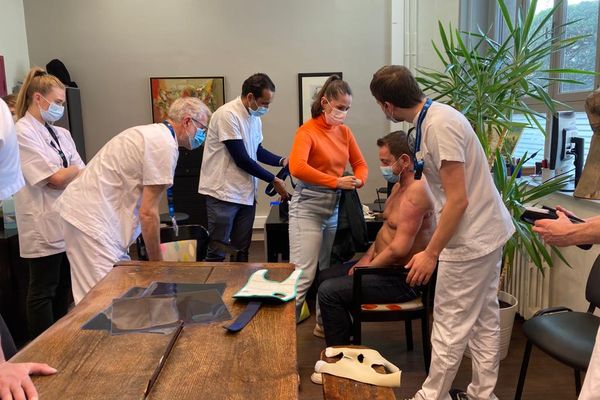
206 363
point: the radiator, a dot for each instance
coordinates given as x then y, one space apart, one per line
528 285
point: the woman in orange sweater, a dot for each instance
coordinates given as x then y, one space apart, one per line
322 148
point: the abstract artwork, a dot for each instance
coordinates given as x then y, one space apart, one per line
164 91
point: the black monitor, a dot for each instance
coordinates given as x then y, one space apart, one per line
565 147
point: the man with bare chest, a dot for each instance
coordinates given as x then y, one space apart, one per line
409 223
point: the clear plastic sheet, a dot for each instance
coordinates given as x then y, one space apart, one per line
163 312
160 315
170 288
101 321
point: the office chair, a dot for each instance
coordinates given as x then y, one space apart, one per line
408 311
189 232
564 334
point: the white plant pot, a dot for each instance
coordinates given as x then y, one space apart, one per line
507 319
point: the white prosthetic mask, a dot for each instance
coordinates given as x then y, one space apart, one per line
260 287
357 364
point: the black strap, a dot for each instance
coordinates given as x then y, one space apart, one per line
245 317
282 174
56 146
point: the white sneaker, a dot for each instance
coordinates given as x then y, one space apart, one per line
316 378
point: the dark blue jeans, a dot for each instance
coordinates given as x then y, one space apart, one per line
335 298
230 223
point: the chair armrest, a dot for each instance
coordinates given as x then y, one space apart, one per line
551 310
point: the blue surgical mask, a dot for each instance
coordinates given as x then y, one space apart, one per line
198 138
260 110
53 113
388 174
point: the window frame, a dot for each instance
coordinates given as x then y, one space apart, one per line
575 100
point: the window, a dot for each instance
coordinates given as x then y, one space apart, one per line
581 17
542 9
531 140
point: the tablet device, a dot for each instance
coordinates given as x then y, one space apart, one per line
532 214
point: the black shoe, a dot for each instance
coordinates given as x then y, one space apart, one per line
458 394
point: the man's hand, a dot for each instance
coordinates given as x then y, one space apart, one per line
363 262
285 162
348 182
421 267
279 186
555 232
15 382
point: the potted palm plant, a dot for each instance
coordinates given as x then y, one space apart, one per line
488 81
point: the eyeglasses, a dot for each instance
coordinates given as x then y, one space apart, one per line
199 124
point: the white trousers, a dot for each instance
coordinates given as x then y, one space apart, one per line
90 260
465 311
591 385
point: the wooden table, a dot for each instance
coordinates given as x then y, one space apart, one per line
206 363
277 239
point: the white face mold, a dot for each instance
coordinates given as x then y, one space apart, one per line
357 364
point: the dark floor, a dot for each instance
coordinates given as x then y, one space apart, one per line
547 379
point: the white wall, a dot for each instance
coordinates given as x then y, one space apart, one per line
13 41
112 47
414 25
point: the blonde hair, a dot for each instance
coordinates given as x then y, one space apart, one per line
188 107
36 81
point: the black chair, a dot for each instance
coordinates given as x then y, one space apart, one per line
382 194
190 232
563 334
408 311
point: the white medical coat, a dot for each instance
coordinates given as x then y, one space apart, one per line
40 228
11 178
486 224
104 201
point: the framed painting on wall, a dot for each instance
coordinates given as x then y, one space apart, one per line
309 85
165 90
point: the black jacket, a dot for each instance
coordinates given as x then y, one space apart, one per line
351 235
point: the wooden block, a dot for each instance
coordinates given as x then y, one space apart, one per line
336 388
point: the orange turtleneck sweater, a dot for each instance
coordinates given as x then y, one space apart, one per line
321 152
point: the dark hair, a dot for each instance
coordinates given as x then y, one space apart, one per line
395 84
397 142
333 86
256 83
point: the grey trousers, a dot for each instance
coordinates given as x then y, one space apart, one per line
312 225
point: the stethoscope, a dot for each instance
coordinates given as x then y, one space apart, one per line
418 159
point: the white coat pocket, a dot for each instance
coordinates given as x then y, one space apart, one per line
51 227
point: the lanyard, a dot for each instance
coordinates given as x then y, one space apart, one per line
57 146
170 200
417 156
